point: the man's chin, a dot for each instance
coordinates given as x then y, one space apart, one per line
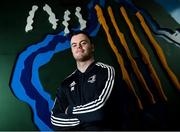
82 59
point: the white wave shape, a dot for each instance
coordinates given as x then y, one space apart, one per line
30 18
175 36
65 22
52 18
81 20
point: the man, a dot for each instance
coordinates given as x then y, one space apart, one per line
90 98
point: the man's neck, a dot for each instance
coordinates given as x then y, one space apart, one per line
83 65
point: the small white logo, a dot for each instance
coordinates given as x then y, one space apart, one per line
92 79
72 88
72 85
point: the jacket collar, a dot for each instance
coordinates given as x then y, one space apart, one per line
88 69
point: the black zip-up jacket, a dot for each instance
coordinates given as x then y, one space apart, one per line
89 101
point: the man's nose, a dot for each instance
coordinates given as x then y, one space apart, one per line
79 46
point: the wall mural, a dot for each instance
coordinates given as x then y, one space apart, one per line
102 16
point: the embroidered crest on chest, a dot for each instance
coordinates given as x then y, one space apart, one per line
92 79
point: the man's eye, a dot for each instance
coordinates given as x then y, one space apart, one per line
84 42
74 45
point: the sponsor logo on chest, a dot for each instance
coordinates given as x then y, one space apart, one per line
72 85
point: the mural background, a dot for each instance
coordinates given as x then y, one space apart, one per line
17 110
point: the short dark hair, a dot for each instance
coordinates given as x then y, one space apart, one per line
80 32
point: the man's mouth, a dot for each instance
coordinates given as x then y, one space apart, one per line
80 51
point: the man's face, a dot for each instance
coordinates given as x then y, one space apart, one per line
81 47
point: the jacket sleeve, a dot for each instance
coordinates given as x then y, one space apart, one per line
93 110
59 119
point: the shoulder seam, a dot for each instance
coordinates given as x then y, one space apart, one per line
71 74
